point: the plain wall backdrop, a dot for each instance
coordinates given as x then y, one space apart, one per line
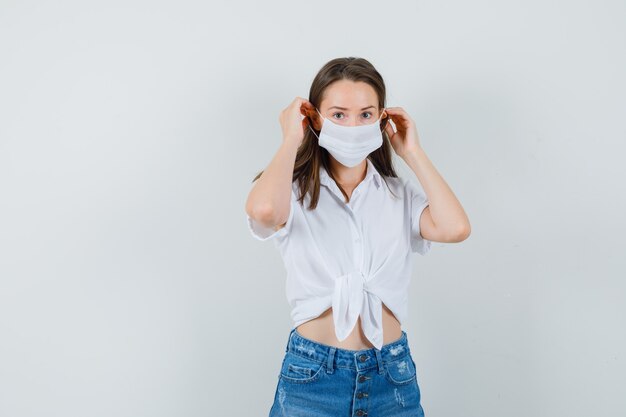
130 132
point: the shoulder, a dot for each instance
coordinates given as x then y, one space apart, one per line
397 185
395 182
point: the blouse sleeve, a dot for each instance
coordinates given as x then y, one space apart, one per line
417 203
263 233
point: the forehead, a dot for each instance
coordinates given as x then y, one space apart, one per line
353 95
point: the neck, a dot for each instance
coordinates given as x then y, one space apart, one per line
346 176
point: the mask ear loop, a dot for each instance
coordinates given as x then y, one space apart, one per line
386 121
309 125
311 129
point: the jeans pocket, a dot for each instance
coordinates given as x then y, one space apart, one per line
401 371
417 385
300 369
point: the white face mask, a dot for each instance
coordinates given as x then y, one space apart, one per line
349 145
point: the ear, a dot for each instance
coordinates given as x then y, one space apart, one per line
316 119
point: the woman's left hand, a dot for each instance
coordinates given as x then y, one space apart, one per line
405 140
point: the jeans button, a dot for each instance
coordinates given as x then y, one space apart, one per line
363 358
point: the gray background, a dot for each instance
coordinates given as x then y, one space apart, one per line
129 135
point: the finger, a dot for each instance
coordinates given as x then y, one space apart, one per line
393 112
400 118
299 102
402 115
397 120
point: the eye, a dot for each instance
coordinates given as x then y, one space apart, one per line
369 113
334 114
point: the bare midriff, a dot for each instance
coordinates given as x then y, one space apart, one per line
322 329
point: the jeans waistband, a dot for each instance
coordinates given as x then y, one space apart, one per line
358 360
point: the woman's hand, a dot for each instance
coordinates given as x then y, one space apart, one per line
405 140
293 120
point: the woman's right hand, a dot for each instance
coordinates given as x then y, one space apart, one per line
294 121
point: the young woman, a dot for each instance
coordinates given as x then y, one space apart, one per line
346 227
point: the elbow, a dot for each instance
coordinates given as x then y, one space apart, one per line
462 232
262 213
267 215
457 234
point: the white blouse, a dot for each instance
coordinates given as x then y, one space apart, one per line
350 256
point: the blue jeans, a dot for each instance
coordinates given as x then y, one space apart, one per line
318 380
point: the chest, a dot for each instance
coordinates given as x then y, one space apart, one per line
370 227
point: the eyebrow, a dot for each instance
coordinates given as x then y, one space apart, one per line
343 108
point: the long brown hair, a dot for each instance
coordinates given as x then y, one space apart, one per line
310 155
